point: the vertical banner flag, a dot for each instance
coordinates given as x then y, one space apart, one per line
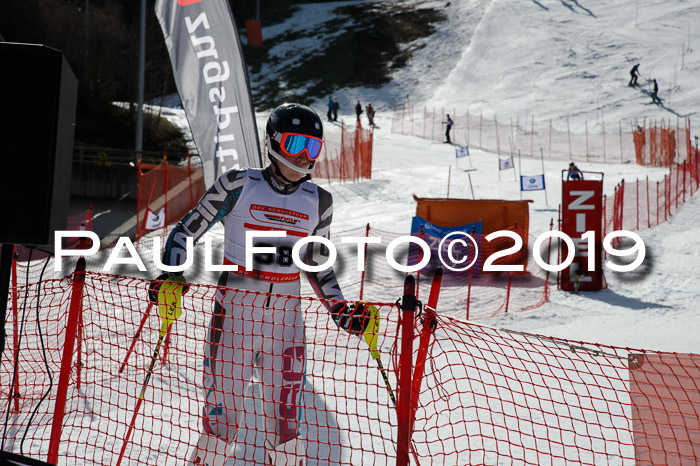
462 152
505 164
531 183
582 211
212 80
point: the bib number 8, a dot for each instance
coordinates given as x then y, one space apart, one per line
283 257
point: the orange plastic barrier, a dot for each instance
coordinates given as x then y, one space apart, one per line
495 215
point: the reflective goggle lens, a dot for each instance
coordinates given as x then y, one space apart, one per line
295 144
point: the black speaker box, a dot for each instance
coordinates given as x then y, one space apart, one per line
38 92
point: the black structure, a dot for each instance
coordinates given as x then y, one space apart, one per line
38 92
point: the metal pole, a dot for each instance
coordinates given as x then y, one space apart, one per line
141 82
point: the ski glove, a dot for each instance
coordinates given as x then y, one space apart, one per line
155 285
352 318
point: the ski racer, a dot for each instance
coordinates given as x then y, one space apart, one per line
252 332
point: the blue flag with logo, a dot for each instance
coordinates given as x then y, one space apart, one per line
461 251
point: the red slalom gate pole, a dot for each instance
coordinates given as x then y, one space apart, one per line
408 308
136 337
76 307
429 324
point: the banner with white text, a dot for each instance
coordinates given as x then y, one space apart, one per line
582 212
212 80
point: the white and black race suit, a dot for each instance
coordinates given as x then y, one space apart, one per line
249 331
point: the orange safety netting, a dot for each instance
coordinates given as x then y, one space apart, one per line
516 137
174 189
661 145
642 204
483 395
347 155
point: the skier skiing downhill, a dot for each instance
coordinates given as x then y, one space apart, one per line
251 332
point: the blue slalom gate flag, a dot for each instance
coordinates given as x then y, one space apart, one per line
462 152
532 183
460 250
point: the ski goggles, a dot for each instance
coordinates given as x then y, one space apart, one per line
293 144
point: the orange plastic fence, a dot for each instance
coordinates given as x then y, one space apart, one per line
176 189
643 204
486 396
661 145
347 156
610 144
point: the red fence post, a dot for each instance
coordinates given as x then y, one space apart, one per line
429 324
684 170
636 187
657 203
76 307
136 336
622 204
648 209
403 408
549 256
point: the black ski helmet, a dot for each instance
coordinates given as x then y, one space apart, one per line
291 118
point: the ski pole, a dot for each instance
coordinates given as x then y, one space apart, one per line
370 336
169 313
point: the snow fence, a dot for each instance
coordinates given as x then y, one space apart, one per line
79 349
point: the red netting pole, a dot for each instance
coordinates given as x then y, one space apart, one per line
76 307
677 183
559 248
79 349
429 324
420 258
136 337
362 279
666 190
657 202
469 290
684 170
636 187
549 255
510 280
15 336
408 308
622 203
648 208
605 217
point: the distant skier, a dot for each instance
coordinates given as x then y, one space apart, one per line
574 173
330 109
635 74
655 93
358 110
336 107
370 114
448 123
